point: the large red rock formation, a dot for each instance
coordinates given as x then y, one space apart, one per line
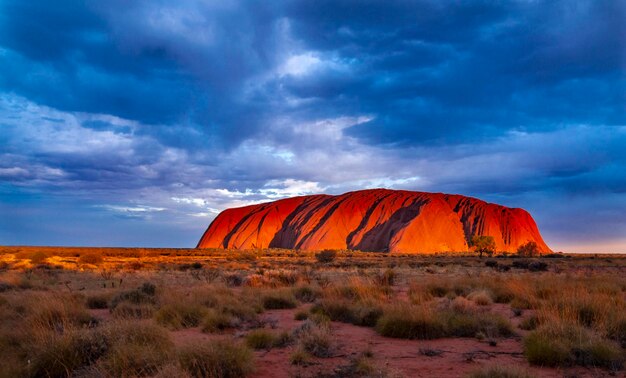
372 220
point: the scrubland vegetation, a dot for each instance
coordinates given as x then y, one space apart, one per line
198 313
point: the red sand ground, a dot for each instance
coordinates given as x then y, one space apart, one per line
459 356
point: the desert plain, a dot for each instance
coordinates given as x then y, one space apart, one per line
109 312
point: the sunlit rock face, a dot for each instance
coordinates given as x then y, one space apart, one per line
377 220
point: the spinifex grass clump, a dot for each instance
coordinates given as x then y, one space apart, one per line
137 348
137 303
279 300
411 323
266 339
357 313
569 344
216 359
315 339
424 322
180 315
306 294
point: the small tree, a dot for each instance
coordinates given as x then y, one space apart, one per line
483 244
529 249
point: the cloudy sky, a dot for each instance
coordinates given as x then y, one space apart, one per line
135 123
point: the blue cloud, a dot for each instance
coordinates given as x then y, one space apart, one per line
193 107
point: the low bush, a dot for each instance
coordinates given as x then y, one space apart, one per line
359 313
538 266
38 257
216 359
279 300
233 280
491 263
91 258
301 315
520 264
317 342
6 286
326 256
306 294
98 301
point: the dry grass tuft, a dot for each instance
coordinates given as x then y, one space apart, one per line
216 359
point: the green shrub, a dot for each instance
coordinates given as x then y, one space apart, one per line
216 359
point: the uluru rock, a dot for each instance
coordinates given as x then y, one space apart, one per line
378 220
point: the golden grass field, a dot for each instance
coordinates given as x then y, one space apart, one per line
113 312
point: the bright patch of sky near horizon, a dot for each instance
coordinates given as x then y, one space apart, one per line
136 128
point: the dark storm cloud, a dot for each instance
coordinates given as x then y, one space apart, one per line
173 110
478 69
